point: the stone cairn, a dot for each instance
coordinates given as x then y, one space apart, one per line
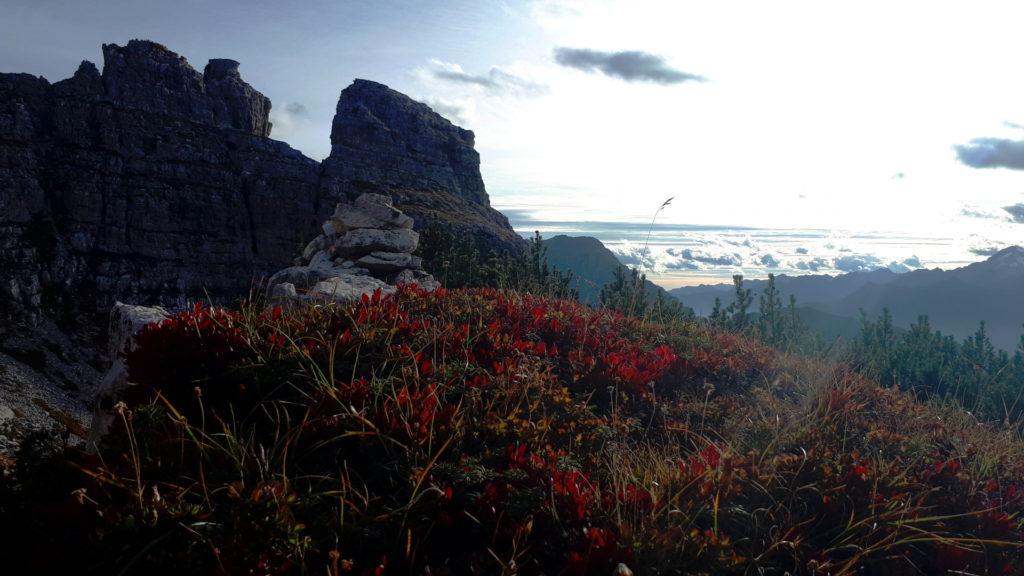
366 245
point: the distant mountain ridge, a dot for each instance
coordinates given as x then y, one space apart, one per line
592 264
954 300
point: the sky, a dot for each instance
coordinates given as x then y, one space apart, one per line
793 137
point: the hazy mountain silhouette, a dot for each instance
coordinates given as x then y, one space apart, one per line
591 263
954 300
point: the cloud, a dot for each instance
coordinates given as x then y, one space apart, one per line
906 265
496 80
978 212
631 66
702 257
1016 212
992 153
813 265
801 250
288 119
458 111
857 263
984 250
769 261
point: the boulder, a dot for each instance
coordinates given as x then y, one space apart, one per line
305 277
387 262
379 206
417 277
284 291
321 259
364 241
348 289
314 246
126 320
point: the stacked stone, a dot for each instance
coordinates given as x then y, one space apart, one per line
367 245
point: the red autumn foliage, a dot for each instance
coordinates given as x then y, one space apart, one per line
479 432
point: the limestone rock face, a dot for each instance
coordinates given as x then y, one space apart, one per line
149 183
234 102
148 76
382 136
386 143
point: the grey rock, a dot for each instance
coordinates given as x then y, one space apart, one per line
387 262
348 289
126 320
305 277
334 227
417 277
364 241
315 245
321 259
379 206
284 291
428 283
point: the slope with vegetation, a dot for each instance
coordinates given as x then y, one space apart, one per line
480 431
971 373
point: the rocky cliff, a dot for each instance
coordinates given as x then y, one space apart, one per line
148 182
384 142
152 182
155 182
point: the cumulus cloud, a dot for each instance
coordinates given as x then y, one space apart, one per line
978 212
703 257
801 250
905 265
496 80
1016 212
984 250
992 153
857 263
458 111
630 65
287 119
769 261
813 265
